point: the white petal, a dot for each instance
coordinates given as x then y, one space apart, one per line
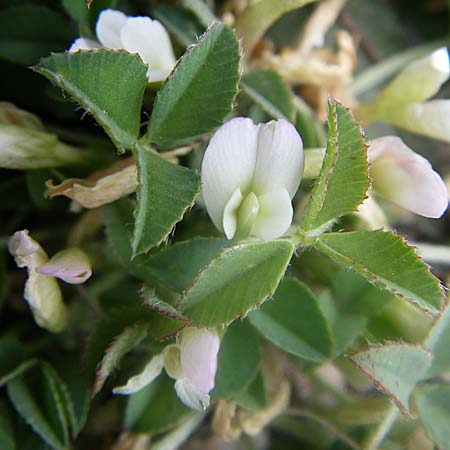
228 164
190 395
198 350
428 119
275 215
83 44
138 382
151 41
229 221
157 75
406 178
71 265
280 160
419 80
109 24
42 293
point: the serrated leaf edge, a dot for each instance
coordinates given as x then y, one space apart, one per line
377 382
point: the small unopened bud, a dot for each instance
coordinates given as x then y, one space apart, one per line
71 265
10 114
28 148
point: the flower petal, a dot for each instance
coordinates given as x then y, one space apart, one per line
198 350
71 265
83 44
406 178
109 24
229 221
190 395
228 164
419 80
152 370
42 293
280 159
428 119
275 215
151 41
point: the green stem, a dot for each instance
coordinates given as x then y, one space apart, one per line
377 436
304 413
381 72
172 440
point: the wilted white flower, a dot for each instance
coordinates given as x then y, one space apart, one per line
41 288
250 173
192 362
406 178
142 35
403 102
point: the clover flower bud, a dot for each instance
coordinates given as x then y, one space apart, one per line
403 102
27 148
250 173
142 35
406 178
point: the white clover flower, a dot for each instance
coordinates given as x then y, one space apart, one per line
192 362
142 35
406 178
404 102
41 289
250 173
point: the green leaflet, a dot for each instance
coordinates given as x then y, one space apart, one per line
343 180
109 84
438 341
239 348
29 32
395 368
239 279
37 397
294 321
199 93
180 22
165 192
7 438
173 267
432 403
130 337
267 89
384 259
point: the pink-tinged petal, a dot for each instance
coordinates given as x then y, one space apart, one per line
83 44
228 164
71 265
109 25
406 178
198 351
280 159
274 216
190 395
21 245
151 41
